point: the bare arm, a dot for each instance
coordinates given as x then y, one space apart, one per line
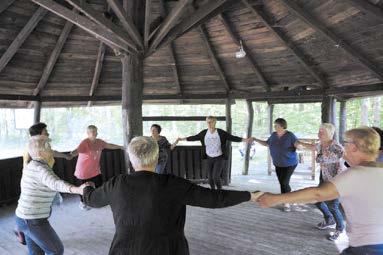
57 154
111 146
306 145
74 153
262 142
326 191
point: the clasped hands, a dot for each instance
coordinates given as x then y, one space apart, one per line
264 199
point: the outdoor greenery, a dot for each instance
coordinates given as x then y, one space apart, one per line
67 126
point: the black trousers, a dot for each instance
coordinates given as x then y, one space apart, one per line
214 171
97 180
284 176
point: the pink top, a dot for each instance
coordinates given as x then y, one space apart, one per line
88 162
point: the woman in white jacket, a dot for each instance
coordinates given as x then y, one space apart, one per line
39 185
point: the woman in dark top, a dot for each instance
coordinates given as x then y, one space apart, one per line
282 144
214 141
149 209
164 147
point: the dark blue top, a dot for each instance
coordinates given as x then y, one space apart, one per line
282 149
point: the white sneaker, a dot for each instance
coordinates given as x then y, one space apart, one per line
286 208
83 206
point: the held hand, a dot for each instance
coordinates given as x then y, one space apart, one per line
255 196
268 200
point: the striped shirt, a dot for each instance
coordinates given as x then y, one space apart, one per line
39 185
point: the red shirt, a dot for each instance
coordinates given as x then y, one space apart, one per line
88 162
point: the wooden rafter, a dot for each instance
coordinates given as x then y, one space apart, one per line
21 37
148 5
200 16
169 22
368 7
298 54
250 57
172 54
4 4
84 23
96 16
213 57
97 70
53 58
126 21
331 36
351 91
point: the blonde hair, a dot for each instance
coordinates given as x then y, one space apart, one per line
211 118
92 127
366 139
330 129
143 151
39 147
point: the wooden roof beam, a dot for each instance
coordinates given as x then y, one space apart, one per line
53 58
172 54
298 54
126 22
169 22
4 4
331 36
213 57
236 39
107 24
148 5
200 16
84 23
22 36
369 8
97 70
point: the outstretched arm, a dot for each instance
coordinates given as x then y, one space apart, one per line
306 145
111 146
57 154
99 197
262 142
326 191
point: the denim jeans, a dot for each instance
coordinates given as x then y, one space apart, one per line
331 210
364 250
40 237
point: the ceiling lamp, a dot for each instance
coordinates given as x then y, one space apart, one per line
241 53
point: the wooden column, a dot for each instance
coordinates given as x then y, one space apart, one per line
37 112
342 120
227 178
270 112
249 130
132 94
328 109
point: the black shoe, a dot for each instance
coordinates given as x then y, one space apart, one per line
20 237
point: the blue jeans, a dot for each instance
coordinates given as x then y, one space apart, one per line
332 213
331 210
40 237
364 250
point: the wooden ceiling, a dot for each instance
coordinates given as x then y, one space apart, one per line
296 50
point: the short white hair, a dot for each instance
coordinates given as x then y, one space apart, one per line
143 151
39 146
329 128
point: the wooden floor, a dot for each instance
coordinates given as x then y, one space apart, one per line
243 229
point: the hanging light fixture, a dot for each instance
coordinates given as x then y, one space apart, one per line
241 53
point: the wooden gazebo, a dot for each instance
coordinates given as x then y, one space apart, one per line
83 52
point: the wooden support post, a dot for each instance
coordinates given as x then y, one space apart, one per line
328 109
37 112
249 130
227 179
132 94
342 120
270 111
